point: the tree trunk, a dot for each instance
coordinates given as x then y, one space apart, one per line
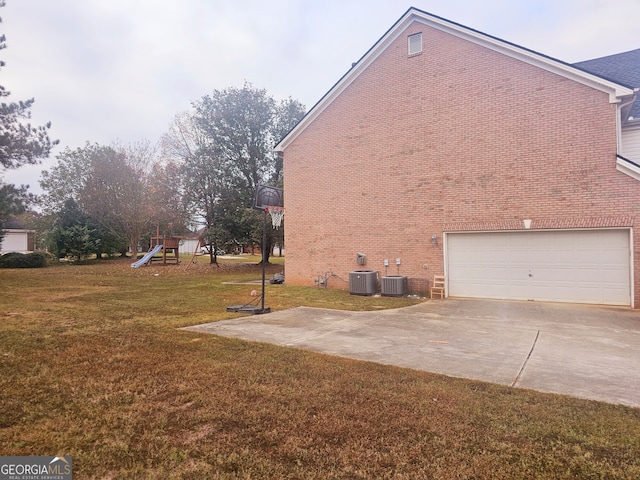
133 246
213 257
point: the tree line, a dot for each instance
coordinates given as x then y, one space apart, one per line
202 174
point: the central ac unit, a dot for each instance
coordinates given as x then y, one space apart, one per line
363 282
394 286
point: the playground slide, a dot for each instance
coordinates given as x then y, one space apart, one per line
147 257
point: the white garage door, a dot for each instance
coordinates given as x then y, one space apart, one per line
585 266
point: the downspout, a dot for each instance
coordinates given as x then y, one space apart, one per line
620 121
631 99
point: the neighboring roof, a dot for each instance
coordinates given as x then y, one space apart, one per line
12 224
623 68
615 90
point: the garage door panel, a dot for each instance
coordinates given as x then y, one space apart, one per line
587 266
614 257
612 276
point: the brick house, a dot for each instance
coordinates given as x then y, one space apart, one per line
514 174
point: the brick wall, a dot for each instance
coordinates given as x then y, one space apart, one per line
458 135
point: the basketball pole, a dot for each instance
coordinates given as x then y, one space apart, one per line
264 198
264 245
248 307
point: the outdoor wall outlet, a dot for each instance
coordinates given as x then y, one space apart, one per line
397 261
386 262
425 266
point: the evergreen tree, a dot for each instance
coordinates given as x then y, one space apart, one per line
72 236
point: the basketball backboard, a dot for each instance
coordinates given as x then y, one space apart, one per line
268 197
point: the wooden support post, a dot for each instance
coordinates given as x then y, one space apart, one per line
164 250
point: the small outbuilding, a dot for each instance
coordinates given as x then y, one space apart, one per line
17 238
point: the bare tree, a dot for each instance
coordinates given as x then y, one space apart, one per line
113 194
123 188
202 177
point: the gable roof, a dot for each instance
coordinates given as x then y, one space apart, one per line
623 68
615 90
12 224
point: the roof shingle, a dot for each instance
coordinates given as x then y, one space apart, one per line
622 68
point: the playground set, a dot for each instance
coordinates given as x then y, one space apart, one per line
166 245
269 200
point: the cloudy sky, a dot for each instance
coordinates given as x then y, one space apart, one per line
107 70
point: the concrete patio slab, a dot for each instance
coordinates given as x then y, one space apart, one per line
589 352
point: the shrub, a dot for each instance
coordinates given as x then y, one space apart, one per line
21 260
75 241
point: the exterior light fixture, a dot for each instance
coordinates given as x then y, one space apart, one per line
434 239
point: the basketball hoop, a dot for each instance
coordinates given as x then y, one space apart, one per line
276 215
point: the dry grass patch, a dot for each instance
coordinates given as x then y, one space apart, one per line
91 365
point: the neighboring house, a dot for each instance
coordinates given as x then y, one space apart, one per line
17 238
514 174
189 244
623 68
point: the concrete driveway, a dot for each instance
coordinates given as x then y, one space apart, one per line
589 352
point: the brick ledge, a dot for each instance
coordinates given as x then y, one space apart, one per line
540 224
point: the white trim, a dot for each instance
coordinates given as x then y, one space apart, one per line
445 258
552 65
417 48
628 168
615 91
533 230
632 269
619 127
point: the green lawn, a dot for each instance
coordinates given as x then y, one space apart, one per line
92 365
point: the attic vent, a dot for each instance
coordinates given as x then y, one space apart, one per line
415 44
